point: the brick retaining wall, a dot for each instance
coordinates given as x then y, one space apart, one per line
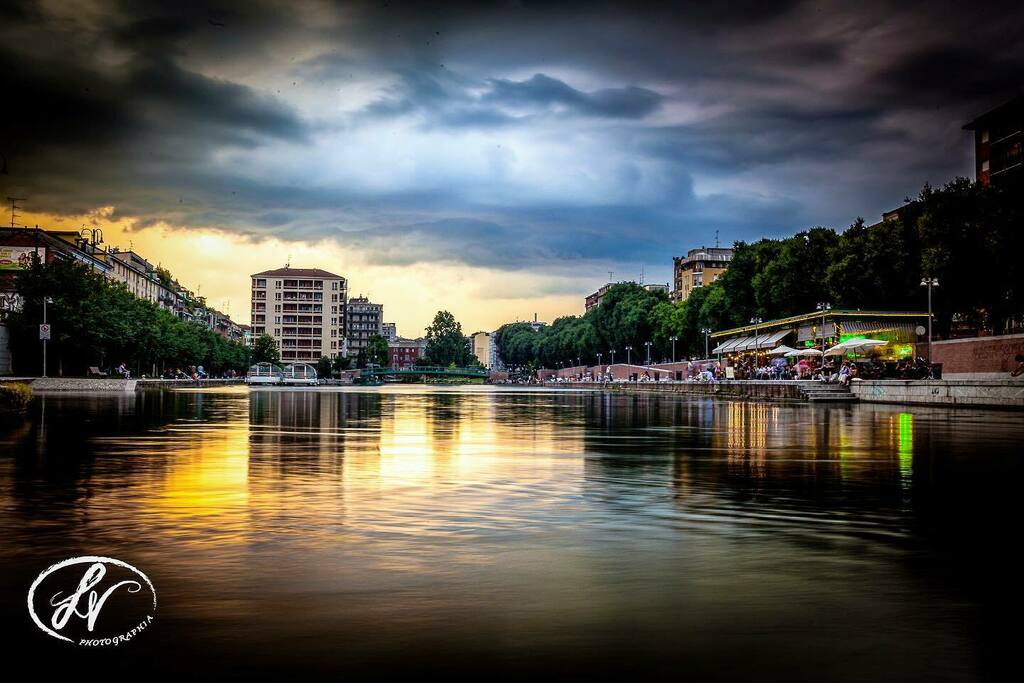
977 357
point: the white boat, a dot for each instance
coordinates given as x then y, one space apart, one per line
299 373
264 373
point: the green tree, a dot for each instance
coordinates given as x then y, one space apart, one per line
377 351
445 342
324 367
96 322
342 363
264 350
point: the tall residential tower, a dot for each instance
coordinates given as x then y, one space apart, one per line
303 309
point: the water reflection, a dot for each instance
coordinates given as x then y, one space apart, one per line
556 533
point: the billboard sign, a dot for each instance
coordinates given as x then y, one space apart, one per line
17 258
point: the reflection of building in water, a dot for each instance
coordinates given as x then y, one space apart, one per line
745 436
299 424
204 495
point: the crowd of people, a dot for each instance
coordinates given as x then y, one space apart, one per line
832 369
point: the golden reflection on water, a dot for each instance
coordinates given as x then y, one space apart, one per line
339 520
374 469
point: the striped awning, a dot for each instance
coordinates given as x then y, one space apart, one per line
902 331
772 340
728 346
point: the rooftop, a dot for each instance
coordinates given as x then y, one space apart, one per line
706 254
830 313
1014 107
298 272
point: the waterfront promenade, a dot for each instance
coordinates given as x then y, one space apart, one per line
1004 393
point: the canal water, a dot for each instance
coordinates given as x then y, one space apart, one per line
491 533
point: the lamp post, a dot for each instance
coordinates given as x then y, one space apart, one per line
648 345
47 300
930 282
824 307
629 355
612 351
599 361
673 339
757 342
706 331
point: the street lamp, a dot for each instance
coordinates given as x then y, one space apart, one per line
673 339
629 355
599 360
46 336
706 331
930 282
612 351
757 342
648 345
824 307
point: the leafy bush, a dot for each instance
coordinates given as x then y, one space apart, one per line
14 396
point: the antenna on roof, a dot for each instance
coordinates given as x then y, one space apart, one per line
288 263
716 238
641 275
610 273
14 207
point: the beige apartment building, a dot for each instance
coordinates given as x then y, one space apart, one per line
303 309
480 345
698 268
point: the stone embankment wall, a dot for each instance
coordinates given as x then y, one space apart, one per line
775 390
52 384
952 393
109 385
968 393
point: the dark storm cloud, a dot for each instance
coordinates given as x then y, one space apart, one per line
544 91
497 133
450 102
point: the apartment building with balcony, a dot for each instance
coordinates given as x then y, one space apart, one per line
363 319
303 309
698 268
999 145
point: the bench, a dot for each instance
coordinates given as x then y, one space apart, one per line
96 372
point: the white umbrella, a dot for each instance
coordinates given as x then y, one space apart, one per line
781 350
862 344
803 352
854 345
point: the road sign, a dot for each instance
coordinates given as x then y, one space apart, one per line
44 331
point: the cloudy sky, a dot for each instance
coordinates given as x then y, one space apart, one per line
493 158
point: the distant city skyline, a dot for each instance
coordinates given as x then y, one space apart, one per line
470 157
